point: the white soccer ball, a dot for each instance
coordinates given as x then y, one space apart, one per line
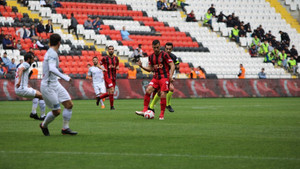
149 114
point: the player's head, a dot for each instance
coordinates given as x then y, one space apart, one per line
169 47
241 65
28 58
110 50
33 65
95 60
55 40
156 46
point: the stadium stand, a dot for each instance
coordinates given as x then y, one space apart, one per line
194 44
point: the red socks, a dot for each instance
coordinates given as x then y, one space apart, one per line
103 96
163 102
111 100
146 101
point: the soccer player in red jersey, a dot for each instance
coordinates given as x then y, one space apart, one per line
163 67
111 65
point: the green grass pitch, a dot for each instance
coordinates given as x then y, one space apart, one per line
218 133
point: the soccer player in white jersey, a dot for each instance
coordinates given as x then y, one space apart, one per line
22 89
96 75
53 92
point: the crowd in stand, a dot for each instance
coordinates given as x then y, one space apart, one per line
171 5
263 44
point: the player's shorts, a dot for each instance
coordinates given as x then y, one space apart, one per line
99 88
27 92
54 95
110 82
162 84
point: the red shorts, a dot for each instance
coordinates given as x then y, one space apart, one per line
110 82
162 84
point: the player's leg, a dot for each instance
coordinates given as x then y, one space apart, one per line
31 93
41 104
102 90
155 99
169 96
149 90
111 97
164 88
66 101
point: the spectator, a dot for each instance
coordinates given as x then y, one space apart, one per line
3 2
132 73
7 44
264 48
182 4
191 17
14 43
284 38
56 4
5 60
256 42
269 58
242 32
2 72
88 23
212 10
230 22
270 48
242 72
193 74
33 32
23 32
261 31
165 6
49 26
283 58
137 53
21 61
19 45
34 45
262 74
202 73
287 51
34 72
159 4
294 51
235 34
40 44
125 34
12 66
248 27
97 23
40 27
221 17
253 51
293 65
73 25
207 18
173 5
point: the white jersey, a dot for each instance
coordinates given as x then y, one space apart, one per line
51 77
24 78
97 75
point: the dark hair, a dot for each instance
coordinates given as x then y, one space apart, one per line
33 65
169 44
27 56
155 42
140 45
95 57
54 39
72 14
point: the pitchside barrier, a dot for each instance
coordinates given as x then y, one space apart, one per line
189 88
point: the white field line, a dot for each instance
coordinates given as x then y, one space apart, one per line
153 155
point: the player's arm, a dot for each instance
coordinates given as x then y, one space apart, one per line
100 67
117 68
89 75
20 73
172 69
54 70
148 68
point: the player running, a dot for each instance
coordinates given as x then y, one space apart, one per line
111 65
53 92
22 89
96 75
168 49
163 67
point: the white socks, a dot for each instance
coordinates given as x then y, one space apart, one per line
49 118
67 113
101 101
35 102
42 107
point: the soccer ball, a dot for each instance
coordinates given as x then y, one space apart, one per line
149 114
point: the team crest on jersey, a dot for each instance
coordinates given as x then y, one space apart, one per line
160 59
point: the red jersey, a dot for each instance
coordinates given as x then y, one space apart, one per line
160 64
110 65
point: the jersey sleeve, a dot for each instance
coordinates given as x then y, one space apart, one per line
167 58
117 63
102 61
26 66
175 59
90 72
